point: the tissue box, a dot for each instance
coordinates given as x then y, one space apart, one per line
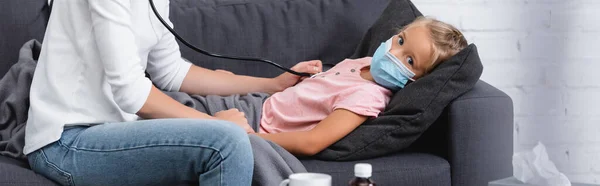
511 181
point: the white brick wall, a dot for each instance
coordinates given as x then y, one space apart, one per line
545 54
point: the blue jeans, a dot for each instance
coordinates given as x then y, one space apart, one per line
148 152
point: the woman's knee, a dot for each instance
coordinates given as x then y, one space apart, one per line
228 135
234 134
228 130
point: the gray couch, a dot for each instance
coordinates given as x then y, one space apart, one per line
470 143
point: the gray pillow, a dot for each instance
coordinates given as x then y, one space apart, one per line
413 109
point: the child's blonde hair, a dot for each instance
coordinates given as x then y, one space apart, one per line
447 39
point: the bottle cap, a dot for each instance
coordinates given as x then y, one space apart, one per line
362 170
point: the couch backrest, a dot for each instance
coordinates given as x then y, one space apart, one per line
20 21
284 31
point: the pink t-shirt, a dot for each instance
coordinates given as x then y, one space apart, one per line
302 107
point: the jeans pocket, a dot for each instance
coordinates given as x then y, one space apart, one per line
43 166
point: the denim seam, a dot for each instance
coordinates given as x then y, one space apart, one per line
146 146
137 147
54 166
154 145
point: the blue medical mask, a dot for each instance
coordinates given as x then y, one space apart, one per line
387 70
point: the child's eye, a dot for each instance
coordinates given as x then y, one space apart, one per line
400 40
410 61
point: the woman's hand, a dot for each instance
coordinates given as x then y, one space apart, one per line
235 116
287 79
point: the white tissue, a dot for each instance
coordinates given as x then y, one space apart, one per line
534 167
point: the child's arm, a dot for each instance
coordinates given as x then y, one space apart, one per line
333 128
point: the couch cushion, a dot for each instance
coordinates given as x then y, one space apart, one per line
284 31
399 169
17 173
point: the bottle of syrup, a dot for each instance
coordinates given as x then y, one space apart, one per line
362 175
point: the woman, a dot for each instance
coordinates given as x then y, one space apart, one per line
95 119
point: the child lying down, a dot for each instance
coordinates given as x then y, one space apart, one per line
318 111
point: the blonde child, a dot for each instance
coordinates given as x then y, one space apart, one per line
318 111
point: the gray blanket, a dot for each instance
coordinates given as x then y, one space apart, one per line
272 163
14 101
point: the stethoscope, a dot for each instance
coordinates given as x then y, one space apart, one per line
208 53
219 55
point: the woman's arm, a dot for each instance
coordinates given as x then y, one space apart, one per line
203 81
117 49
159 105
170 72
333 128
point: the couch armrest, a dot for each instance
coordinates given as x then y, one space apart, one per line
480 136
